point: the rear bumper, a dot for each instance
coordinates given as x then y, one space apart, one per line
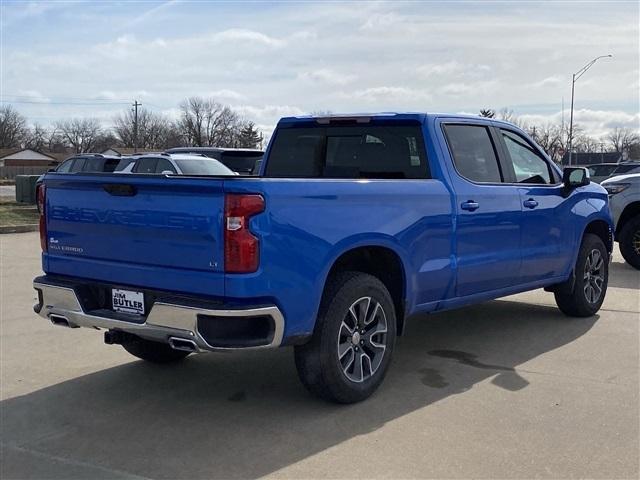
166 321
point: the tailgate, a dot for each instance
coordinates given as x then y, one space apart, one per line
153 232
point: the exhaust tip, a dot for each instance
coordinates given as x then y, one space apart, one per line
59 320
183 344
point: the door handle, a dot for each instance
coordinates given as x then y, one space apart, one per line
470 205
531 203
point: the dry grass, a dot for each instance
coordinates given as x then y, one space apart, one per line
13 213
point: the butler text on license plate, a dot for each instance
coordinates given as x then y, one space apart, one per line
128 301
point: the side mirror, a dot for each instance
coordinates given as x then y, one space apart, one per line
51 170
574 177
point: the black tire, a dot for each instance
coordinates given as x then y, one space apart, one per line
629 240
154 352
581 301
318 363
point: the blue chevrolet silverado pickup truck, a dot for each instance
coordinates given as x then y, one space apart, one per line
355 224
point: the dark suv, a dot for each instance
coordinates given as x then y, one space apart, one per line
89 162
240 160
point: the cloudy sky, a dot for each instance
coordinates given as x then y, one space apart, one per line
62 59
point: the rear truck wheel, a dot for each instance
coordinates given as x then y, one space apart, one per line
591 280
629 241
154 352
350 350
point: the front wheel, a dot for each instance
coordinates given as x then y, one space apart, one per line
592 278
347 358
630 242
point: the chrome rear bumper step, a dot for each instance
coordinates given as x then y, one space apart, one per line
169 323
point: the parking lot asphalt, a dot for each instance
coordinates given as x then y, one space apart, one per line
507 389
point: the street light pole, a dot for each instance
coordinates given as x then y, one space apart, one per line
574 79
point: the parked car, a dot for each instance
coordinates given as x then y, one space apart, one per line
89 162
624 201
85 163
240 160
601 171
173 164
354 225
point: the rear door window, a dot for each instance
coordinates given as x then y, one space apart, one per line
394 151
78 165
110 165
164 165
65 167
601 170
473 153
146 165
95 164
626 169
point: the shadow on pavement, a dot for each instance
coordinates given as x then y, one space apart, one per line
246 415
623 275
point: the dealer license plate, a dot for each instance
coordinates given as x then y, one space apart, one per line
127 301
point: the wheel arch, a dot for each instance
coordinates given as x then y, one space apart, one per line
630 211
383 262
602 229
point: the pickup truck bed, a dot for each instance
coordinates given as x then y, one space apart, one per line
355 224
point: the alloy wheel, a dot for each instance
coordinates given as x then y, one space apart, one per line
362 339
593 276
635 242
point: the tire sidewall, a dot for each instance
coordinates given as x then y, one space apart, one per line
626 242
590 243
361 285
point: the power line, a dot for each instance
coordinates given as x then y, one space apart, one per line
65 98
44 102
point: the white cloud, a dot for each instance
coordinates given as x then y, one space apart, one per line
381 21
226 94
595 122
551 81
337 56
375 94
327 76
452 67
240 34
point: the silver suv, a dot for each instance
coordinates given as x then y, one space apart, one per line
624 202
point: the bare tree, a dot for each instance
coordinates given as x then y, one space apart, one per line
487 113
205 122
13 127
81 134
584 143
622 139
36 137
155 131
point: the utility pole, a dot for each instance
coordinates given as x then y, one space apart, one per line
135 125
574 78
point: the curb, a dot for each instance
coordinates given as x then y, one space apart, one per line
32 227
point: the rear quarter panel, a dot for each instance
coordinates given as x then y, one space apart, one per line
308 224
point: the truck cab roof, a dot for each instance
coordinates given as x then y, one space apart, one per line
381 117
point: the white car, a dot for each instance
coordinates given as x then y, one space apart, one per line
172 164
624 203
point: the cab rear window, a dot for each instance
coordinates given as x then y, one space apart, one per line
349 152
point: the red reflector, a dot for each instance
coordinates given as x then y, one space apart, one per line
42 209
241 247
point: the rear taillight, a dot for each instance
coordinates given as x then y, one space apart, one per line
41 201
241 247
